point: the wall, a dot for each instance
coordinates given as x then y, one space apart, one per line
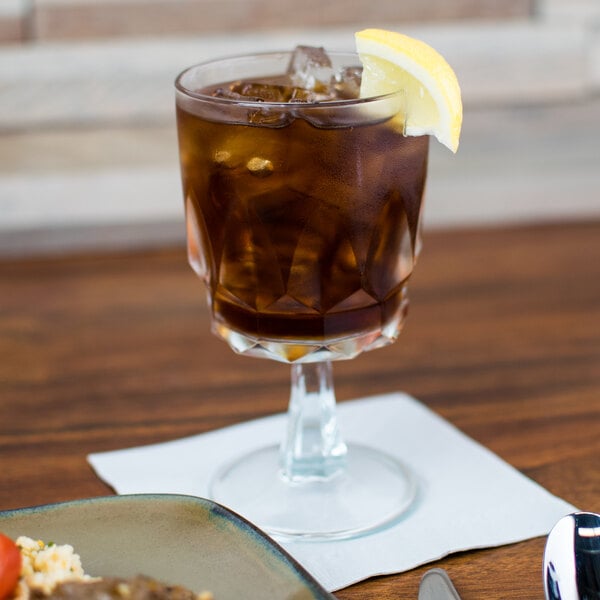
87 141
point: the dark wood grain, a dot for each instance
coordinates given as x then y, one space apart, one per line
503 340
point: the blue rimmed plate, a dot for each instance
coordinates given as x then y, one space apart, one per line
177 539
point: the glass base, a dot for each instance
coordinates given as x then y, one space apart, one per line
371 492
326 349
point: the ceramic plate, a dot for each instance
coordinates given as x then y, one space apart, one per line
177 539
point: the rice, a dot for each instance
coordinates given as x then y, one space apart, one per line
45 565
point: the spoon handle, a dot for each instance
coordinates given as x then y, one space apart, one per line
437 585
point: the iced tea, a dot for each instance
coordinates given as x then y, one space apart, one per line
302 215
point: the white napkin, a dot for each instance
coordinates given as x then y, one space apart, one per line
469 498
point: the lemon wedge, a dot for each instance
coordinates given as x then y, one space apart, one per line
393 61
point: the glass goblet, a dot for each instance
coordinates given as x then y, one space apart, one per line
303 220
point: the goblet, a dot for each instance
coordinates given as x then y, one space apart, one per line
303 219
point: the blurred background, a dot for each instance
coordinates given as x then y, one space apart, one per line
88 156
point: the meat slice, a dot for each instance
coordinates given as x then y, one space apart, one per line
110 588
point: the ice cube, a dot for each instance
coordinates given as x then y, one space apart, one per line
310 68
253 92
226 92
265 92
347 82
259 167
224 158
269 117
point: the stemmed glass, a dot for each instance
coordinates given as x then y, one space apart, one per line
303 217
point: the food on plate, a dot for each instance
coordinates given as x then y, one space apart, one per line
45 565
35 570
10 566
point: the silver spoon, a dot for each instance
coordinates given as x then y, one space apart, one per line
572 558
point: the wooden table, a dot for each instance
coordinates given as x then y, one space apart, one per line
503 340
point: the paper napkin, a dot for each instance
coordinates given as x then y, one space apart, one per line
468 497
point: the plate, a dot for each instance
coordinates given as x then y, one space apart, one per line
177 539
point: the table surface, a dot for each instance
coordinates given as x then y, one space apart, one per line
99 352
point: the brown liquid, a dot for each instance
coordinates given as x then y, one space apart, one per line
302 233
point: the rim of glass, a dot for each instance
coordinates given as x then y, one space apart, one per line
282 105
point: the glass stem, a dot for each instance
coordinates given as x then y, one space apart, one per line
313 448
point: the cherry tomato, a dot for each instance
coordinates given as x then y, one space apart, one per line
10 566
